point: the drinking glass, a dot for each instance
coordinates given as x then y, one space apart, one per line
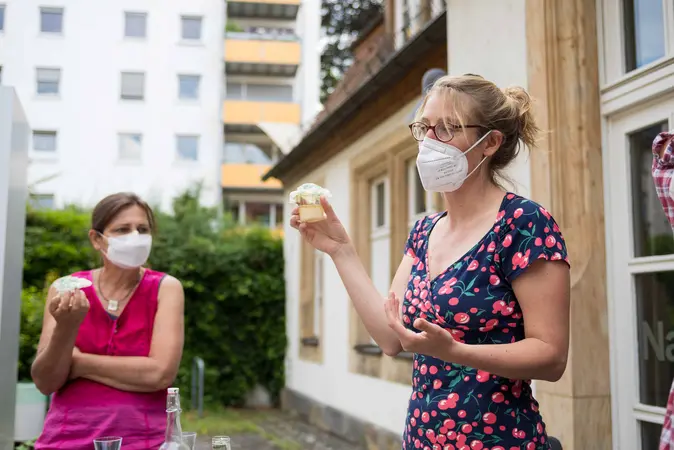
108 443
220 443
190 438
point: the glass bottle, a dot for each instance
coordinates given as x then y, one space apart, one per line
173 439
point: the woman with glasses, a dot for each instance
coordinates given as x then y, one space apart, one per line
481 296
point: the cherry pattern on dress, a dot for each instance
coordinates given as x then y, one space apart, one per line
454 407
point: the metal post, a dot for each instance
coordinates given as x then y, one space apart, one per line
197 392
14 138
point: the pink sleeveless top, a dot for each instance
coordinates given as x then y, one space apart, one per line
83 410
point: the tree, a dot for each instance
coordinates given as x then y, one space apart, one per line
342 22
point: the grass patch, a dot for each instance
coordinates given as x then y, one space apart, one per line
230 422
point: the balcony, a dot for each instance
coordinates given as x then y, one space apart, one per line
263 9
247 176
244 116
254 53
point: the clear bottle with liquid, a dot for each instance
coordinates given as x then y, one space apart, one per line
173 439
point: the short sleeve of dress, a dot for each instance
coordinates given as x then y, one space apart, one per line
527 233
411 245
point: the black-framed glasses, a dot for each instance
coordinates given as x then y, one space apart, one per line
443 133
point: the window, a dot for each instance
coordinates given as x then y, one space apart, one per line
0 74
44 141
133 86
191 28
51 20
188 86
640 258
2 17
187 148
418 200
380 237
135 24
379 204
644 22
42 201
48 81
318 292
259 92
130 146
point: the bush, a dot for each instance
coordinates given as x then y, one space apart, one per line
234 292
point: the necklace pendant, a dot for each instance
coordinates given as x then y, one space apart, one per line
113 305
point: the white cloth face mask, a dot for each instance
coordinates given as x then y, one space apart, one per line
129 251
443 167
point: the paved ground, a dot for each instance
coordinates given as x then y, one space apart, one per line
280 432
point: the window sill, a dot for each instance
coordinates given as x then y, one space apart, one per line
368 349
51 34
374 350
130 162
191 43
131 100
311 341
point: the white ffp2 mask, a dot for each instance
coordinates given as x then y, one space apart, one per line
129 251
443 167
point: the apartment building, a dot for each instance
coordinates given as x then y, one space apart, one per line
271 94
121 95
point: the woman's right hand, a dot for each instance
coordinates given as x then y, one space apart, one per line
328 236
69 308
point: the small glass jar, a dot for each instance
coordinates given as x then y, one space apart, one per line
220 443
307 197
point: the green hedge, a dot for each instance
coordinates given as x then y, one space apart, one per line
234 292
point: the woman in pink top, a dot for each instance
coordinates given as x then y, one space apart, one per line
108 352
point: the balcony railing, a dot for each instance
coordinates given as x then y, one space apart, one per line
260 51
263 9
241 112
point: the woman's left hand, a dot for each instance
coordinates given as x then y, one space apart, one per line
433 340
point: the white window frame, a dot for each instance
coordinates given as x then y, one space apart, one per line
51 133
52 10
124 94
612 46
121 139
198 86
627 411
3 7
40 77
185 17
412 174
197 140
135 14
319 265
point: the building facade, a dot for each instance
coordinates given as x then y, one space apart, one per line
271 94
120 96
603 76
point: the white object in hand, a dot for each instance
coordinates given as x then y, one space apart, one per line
70 283
308 199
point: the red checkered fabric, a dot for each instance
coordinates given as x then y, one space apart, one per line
663 171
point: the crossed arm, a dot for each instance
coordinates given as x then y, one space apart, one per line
143 374
58 360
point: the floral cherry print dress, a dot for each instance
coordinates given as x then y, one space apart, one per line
455 407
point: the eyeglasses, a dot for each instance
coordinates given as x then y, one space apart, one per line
442 132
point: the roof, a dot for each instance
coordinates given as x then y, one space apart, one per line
391 72
247 176
377 20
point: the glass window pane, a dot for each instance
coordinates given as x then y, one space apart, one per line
191 28
48 81
44 141
655 325
380 204
188 148
2 17
644 32
234 91
130 147
188 86
135 24
650 435
51 20
652 232
239 153
133 86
